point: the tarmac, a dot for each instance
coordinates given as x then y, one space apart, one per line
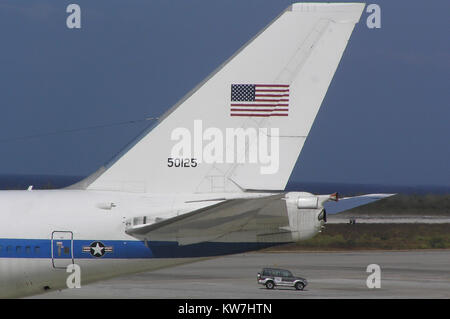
336 219
404 274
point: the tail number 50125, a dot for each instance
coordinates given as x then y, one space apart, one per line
182 162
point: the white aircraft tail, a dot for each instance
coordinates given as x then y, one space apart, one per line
242 128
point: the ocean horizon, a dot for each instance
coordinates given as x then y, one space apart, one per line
23 181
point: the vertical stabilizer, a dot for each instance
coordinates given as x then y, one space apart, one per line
244 127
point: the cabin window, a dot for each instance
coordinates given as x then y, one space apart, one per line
9 249
37 249
18 249
28 249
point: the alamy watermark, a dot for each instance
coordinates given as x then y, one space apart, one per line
74 279
374 279
234 145
73 20
373 21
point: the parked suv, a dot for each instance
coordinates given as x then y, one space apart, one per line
271 277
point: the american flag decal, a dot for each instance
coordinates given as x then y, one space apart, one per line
259 100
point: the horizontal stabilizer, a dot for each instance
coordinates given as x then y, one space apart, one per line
254 220
347 203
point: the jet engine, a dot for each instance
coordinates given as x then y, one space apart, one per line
306 213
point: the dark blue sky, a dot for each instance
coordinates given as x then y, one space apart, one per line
385 118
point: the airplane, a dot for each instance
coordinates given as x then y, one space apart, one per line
207 180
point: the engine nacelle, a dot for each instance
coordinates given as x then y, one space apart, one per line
306 213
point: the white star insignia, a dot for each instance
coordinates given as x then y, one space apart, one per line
98 250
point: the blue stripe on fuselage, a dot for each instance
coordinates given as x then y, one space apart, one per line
41 248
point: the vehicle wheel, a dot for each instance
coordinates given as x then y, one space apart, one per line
270 285
299 286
